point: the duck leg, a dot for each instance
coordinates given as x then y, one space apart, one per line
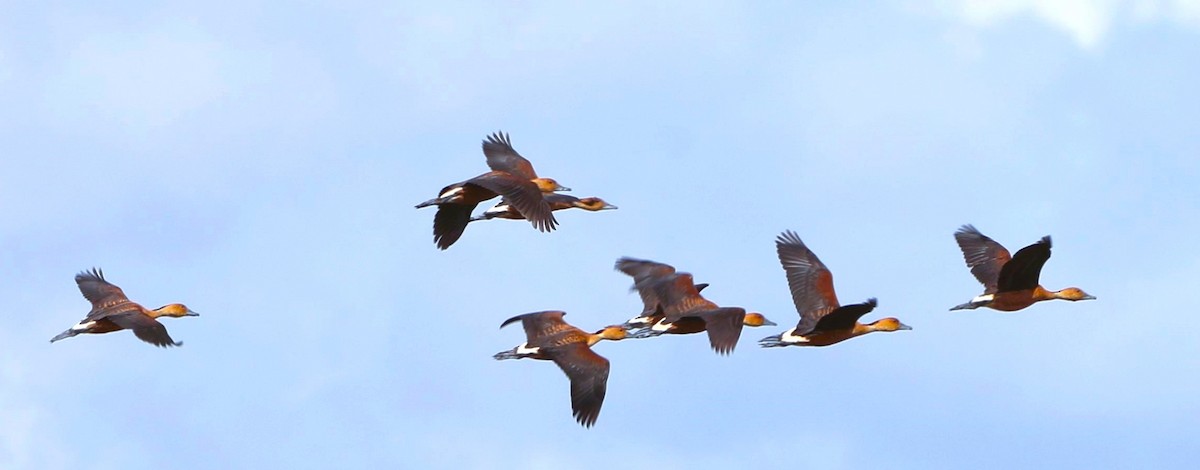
774 341
64 335
507 354
643 333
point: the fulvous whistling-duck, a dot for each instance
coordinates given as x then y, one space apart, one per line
823 321
512 176
1010 283
557 202
645 273
672 304
549 337
112 311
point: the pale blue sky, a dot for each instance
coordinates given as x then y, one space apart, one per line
259 162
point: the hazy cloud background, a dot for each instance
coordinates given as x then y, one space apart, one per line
259 162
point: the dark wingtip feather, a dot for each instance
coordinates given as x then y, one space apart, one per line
547 225
623 260
586 417
93 273
788 237
969 231
512 320
449 224
499 138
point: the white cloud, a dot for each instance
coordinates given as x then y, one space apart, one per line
1086 22
1185 12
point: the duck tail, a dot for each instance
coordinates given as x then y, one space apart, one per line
431 202
64 335
966 306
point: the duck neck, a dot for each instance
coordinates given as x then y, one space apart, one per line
606 334
1040 293
861 329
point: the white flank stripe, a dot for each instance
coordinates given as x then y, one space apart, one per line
83 326
450 193
788 337
499 209
524 349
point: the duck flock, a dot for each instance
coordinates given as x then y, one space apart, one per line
672 300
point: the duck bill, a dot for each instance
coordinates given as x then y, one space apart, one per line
904 327
191 313
608 207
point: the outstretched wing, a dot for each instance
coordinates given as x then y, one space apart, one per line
645 274
559 201
641 269
450 222
502 157
1024 269
984 256
145 328
843 317
809 280
102 294
540 325
556 202
680 298
724 327
521 194
588 373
